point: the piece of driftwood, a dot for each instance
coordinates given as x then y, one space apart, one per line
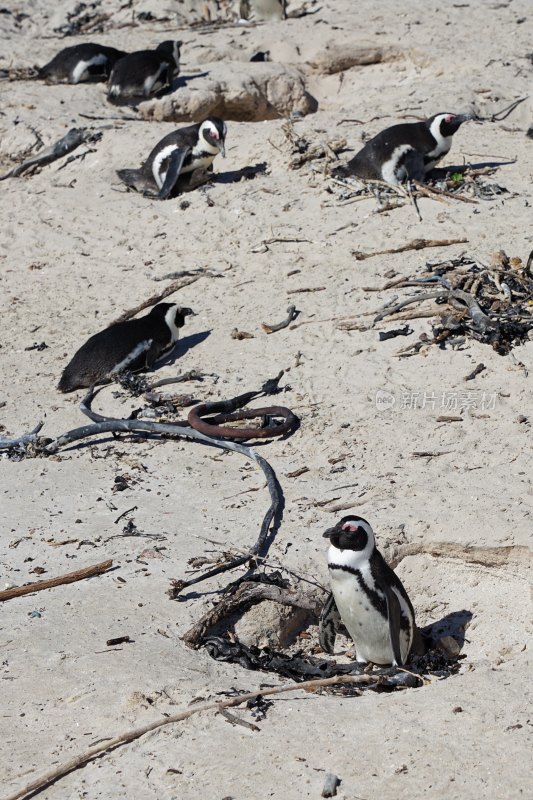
292 314
414 244
69 142
49 583
34 787
514 555
181 283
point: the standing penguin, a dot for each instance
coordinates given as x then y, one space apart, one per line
404 152
80 63
126 346
179 153
143 73
368 596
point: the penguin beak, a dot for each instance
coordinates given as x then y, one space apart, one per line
330 531
464 118
222 149
188 312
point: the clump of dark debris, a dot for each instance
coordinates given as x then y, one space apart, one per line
134 383
492 303
300 666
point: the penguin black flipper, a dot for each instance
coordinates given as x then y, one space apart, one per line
328 625
394 613
175 164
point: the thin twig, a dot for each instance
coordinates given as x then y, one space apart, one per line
53 775
415 244
156 298
49 583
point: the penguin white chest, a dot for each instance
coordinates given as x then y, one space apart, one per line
367 627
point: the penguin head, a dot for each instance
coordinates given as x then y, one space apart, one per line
447 124
173 315
171 49
351 533
213 131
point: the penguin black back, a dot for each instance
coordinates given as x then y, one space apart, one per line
81 63
125 346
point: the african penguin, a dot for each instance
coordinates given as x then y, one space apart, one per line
80 63
143 73
369 597
125 346
182 152
406 151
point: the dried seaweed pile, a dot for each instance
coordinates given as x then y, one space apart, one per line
490 303
300 666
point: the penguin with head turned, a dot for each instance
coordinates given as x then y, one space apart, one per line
181 153
142 74
369 598
126 346
405 152
82 62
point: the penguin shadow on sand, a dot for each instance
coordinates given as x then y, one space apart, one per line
453 624
245 173
441 173
183 345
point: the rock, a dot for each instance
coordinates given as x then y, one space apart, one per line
449 646
242 91
270 624
338 57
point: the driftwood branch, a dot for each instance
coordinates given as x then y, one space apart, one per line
70 577
69 142
36 786
292 314
415 244
515 556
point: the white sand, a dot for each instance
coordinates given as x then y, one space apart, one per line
76 250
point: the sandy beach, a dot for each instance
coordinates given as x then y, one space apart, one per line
77 249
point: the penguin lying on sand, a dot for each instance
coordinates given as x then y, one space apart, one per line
80 63
369 598
405 152
181 152
143 73
126 346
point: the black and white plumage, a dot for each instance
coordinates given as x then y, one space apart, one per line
81 63
405 152
126 346
182 152
368 597
143 73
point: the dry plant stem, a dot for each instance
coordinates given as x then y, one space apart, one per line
437 194
415 244
156 298
70 577
36 786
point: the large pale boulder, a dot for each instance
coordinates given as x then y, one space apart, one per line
242 91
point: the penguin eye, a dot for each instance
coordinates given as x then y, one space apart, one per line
449 118
351 527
